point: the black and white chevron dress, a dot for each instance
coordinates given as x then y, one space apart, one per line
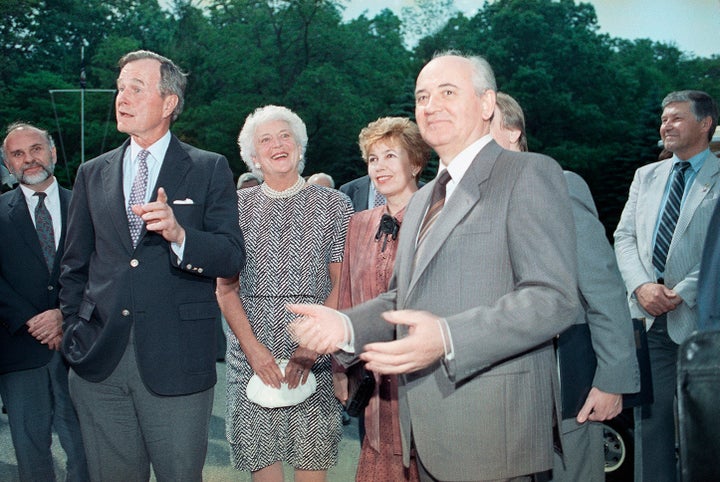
289 243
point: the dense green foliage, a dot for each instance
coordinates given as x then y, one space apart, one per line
591 101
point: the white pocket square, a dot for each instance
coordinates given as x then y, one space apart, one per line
187 200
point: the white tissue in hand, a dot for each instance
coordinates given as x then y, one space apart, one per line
267 396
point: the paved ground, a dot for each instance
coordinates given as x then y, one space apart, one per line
217 465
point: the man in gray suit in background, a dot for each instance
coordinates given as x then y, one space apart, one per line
476 297
605 312
659 258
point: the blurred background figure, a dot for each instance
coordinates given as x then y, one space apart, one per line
248 179
395 155
295 239
322 179
362 193
7 180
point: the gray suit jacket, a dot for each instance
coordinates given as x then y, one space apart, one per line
602 294
496 266
634 240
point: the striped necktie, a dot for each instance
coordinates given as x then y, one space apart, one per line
670 215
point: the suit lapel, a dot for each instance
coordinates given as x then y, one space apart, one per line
651 209
112 180
65 196
175 167
465 196
701 187
20 217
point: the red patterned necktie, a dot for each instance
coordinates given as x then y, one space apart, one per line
437 201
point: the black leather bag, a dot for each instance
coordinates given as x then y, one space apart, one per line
361 385
698 381
577 362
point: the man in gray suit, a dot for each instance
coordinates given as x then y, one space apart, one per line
475 302
660 261
604 311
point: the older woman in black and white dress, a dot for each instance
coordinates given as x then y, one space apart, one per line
294 237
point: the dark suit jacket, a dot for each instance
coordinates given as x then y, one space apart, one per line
357 191
109 287
26 286
708 297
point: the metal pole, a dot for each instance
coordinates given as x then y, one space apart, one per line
82 105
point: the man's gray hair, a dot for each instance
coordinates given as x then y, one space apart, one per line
483 77
701 105
172 79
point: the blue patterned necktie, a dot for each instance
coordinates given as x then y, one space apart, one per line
45 231
670 215
437 201
137 196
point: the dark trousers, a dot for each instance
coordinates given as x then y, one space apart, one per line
127 428
655 455
37 401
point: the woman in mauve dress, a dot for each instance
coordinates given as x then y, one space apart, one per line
395 155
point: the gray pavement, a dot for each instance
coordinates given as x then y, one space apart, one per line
217 465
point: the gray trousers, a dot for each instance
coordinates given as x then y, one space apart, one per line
583 453
425 476
126 428
37 400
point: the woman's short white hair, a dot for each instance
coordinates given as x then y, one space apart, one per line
260 116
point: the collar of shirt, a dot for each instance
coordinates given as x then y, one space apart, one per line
154 162
52 199
696 161
458 166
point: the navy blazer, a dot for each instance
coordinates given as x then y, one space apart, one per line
26 286
109 287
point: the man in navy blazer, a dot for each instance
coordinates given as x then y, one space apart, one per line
33 375
140 312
